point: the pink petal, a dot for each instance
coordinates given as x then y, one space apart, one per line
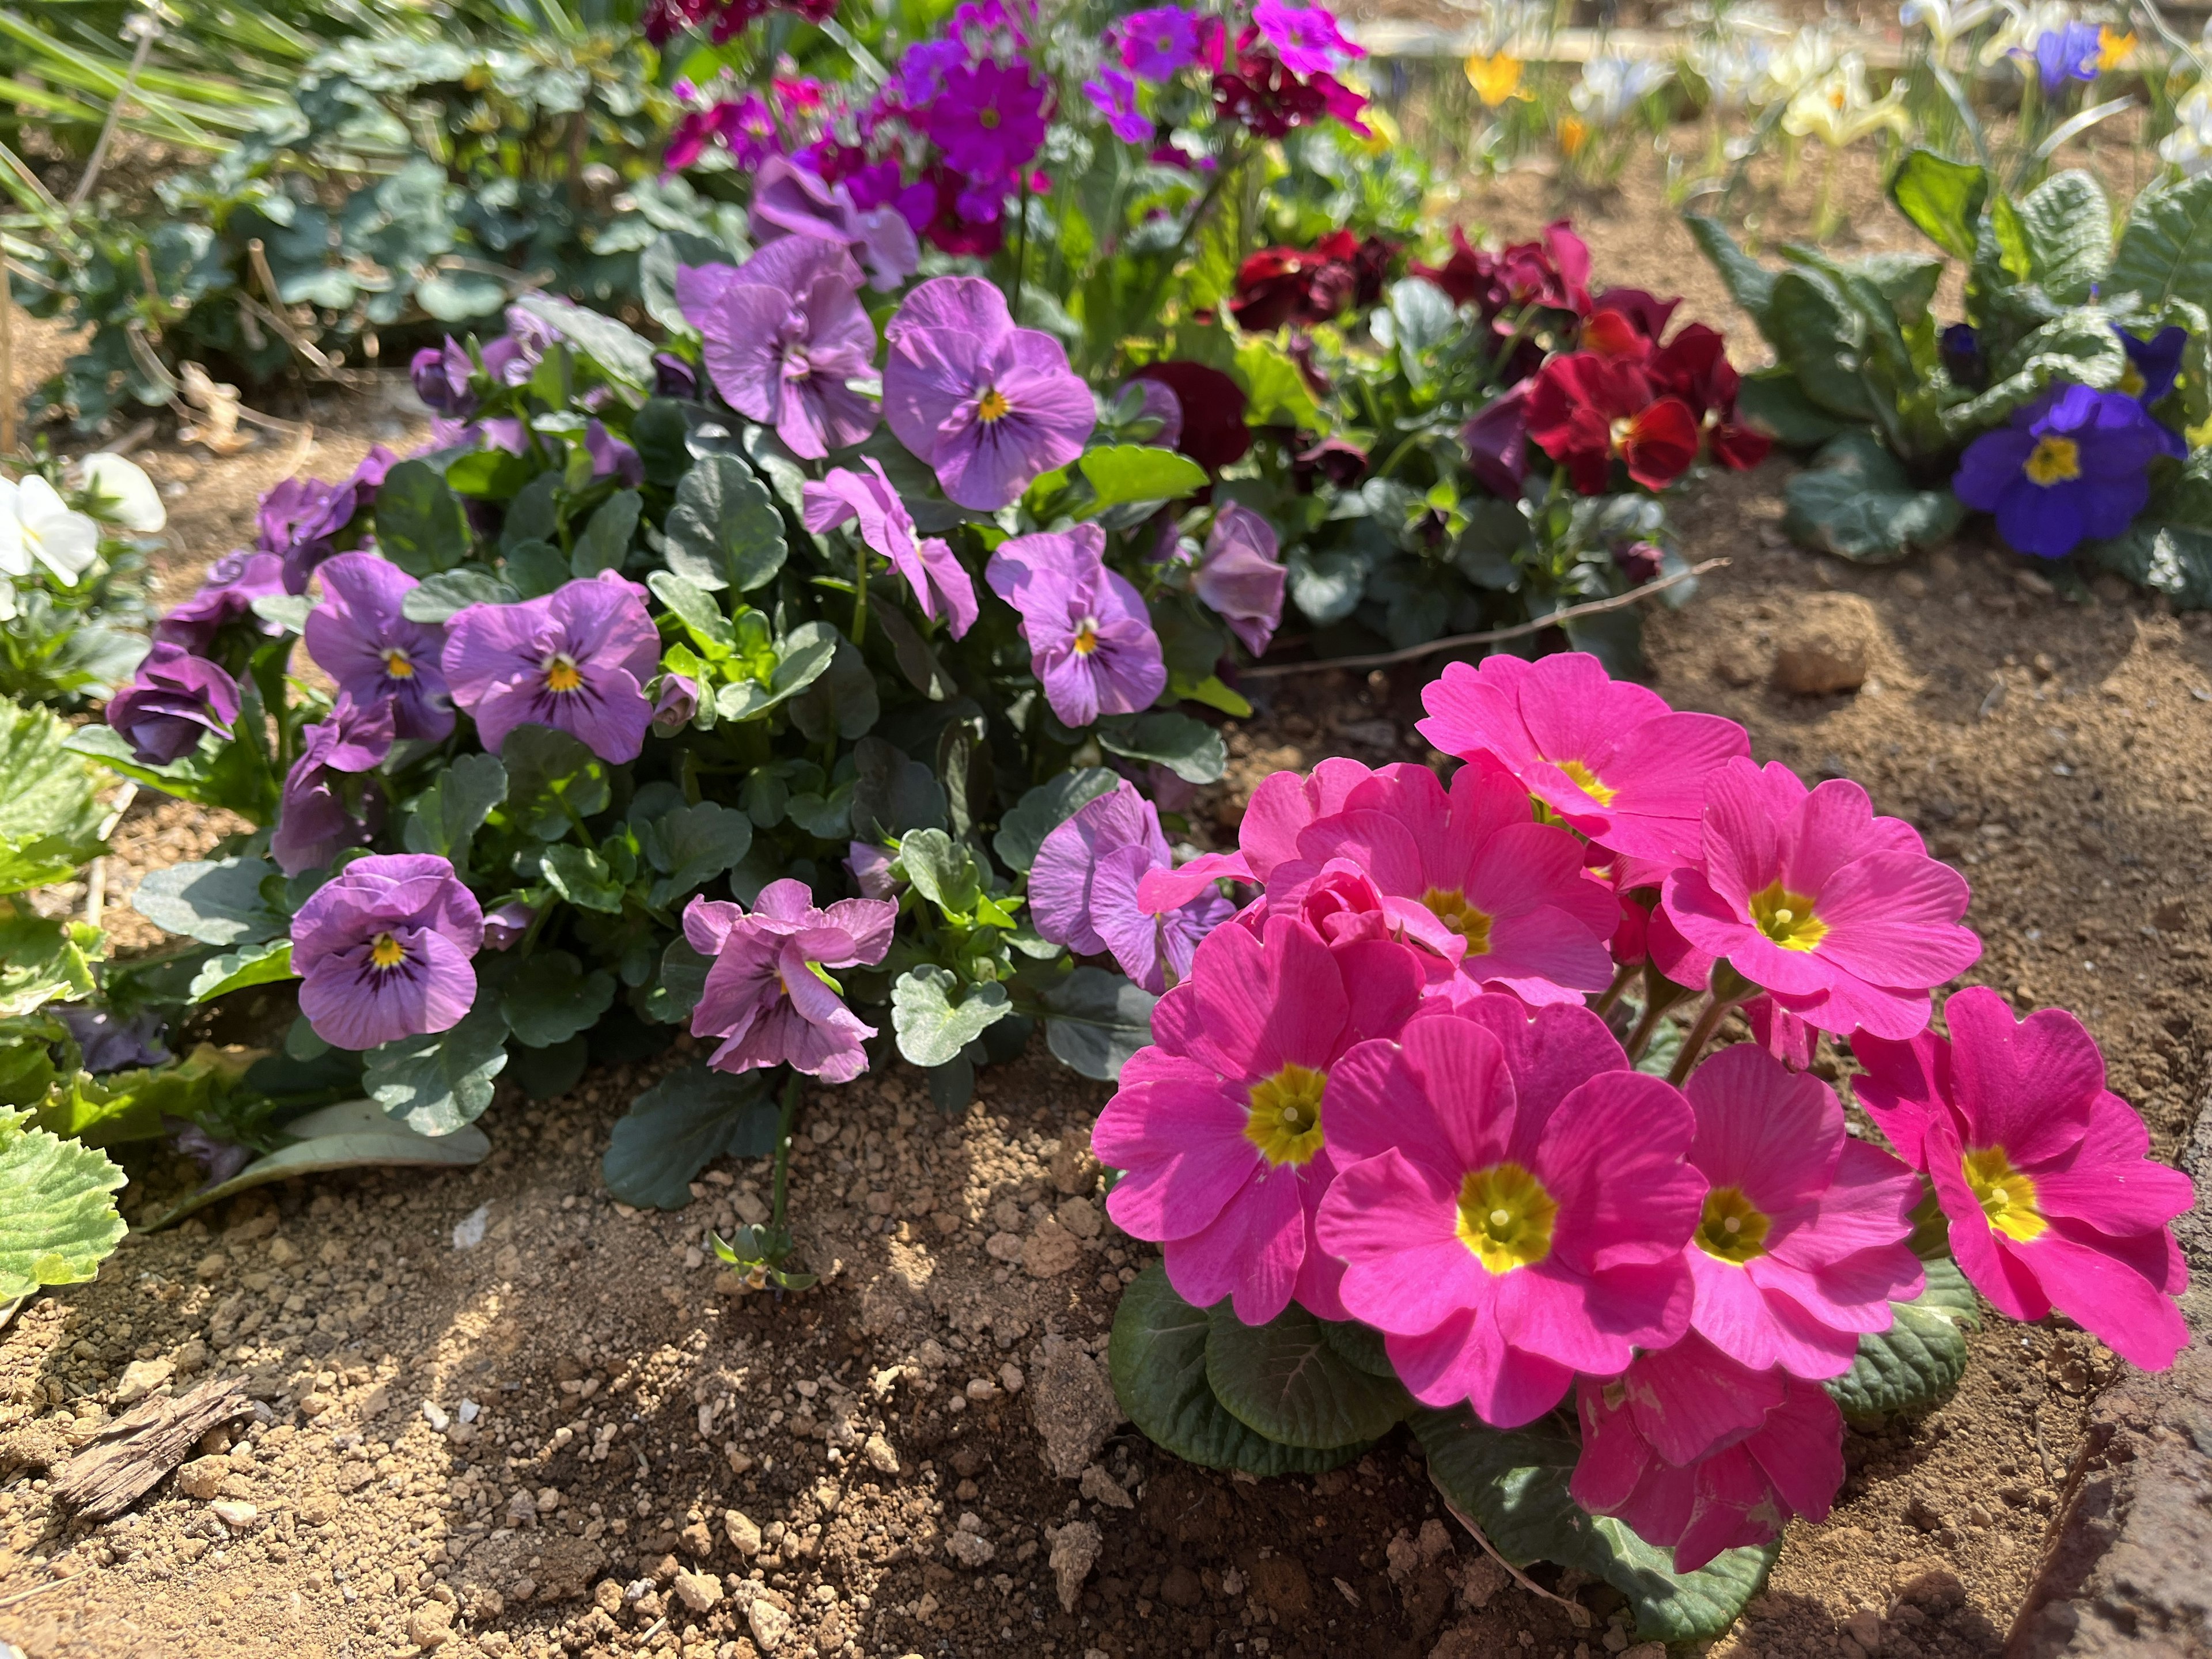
2029 1086
2107 1181
1182 1145
1801 1449
1730 1312
1893 919
1392 1223
1251 1252
1544 1309
2110 1298
1612 1159
1867 1206
1465 1359
1774 1133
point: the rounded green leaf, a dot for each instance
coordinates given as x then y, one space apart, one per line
548 998
932 1027
1286 1380
678 1127
1855 501
58 1218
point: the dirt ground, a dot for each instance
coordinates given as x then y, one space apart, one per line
500 1414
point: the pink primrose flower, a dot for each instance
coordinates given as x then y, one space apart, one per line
764 999
1282 806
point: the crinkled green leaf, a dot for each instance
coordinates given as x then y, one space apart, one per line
57 1217
680 1126
2067 221
2165 250
2168 549
1749 283
932 1027
1915 1365
1286 1381
1855 501
49 821
41 961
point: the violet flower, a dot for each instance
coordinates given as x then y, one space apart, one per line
1114 95
674 378
234 582
611 456
106 1043
871 868
506 924
576 659
358 636
987 405
1091 644
173 698
1497 441
990 119
442 374
784 332
1157 44
1306 38
789 200
1082 892
764 998
382 950
313 826
677 701
301 518
1240 575
931 568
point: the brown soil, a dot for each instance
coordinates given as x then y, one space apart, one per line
533 1446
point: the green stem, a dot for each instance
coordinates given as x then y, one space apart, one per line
1730 988
793 1091
1149 310
1022 248
1612 991
860 593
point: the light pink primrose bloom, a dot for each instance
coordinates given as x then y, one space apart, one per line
1808 894
1503 1238
1509 893
1283 805
1609 757
1699 1454
2044 1172
931 568
763 998
1219 1124
1801 1246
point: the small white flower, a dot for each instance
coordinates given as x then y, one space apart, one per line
2189 146
1612 85
1734 69
1839 109
1944 21
127 495
1809 55
35 525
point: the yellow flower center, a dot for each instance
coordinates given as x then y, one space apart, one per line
988 120
1586 780
1284 1120
562 673
2055 460
992 407
1622 430
397 666
2131 382
1787 918
1506 1216
1086 636
2006 1194
386 952
1449 905
1732 1230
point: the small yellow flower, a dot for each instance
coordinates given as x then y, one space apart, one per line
1574 133
2114 48
1496 79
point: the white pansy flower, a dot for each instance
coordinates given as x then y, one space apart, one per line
127 495
1612 86
1839 109
35 525
1944 21
2189 146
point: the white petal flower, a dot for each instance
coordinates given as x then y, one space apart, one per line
2189 146
1610 87
14 558
66 543
1839 109
127 495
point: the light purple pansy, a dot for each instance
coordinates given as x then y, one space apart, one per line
442 374
1082 892
871 868
313 826
507 923
576 659
790 200
763 999
610 456
674 703
234 582
784 332
988 405
358 636
382 950
1240 575
301 519
1091 643
932 569
170 702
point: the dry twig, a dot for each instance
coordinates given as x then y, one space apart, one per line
1575 1611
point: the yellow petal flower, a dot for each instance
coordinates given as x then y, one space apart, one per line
2114 48
1496 78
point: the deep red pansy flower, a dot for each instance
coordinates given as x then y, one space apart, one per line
1552 271
1585 411
1693 366
1213 431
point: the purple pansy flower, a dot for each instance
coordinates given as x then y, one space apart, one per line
922 69
576 659
678 700
301 518
358 636
442 374
506 924
2070 467
1090 642
1497 442
1159 402
234 582
1240 575
611 456
1114 95
382 950
988 405
1161 42
313 823
784 332
514 357
990 119
871 868
1306 38
763 998
173 698
107 1043
1083 891
674 378
795 201
931 568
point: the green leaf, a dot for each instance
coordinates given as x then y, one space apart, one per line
1943 197
58 1217
606 541
1513 1485
435 1083
1156 1359
419 525
680 1126
1749 283
1276 393
682 980
1286 1381
2166 249
1822 339
446 817
218 903
932 1027
1772 400
1915 1365
534 515
1857 502
550 774
49 821
265 964
1043 810
2078 347
1190 748
1423 318
624 356
892 793
1360 1346
841 699
548 998
581 877
724 530
942 871
449 592
1121 473
2168 549
1097 1021
702 619
2068 224
693 845
548 1074
535 568
915 657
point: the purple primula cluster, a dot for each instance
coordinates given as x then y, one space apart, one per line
1091 640
768 999
1082 892
577 660
2072 466
1150 47
383 951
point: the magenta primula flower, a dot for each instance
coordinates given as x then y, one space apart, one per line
1114 95
765 996
1697 1453
1160 42
234 582
1801 1246
1306 38
1083 891
784 333
1503 896
1091 640
1806 894
383 951
1609 757
1219 1124
172 699
990 119
931 568
2044 1172
987 405
360 638
1240 574
1280 808
1503 1238
313 825
576 659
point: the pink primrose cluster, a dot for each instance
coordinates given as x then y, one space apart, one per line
1381 1089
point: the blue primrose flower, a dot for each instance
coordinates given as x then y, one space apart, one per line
2073 52
2153 365
2072 466
1961 348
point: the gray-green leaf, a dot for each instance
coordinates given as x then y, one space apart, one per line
1286 1381
435 1083
678 1127
1043 810
218 903
1098 1020
932 1027
724 530
447 815
1857 502
548 998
